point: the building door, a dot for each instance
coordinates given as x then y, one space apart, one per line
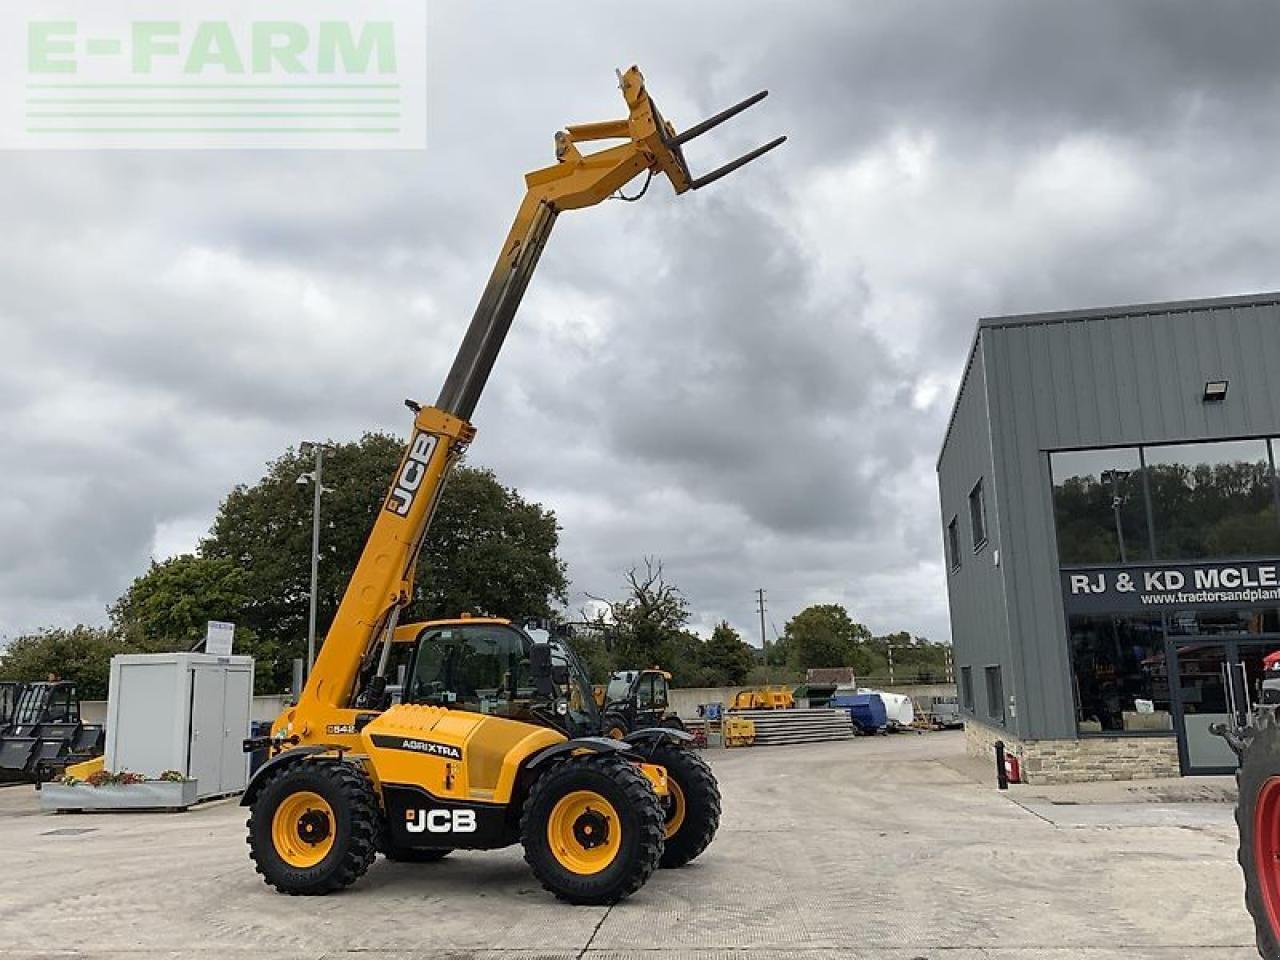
204 750
1216 678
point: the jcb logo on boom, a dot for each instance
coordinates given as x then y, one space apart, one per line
411 475
440 821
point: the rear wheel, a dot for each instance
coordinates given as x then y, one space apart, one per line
312 827
592 829
1258 819
692 806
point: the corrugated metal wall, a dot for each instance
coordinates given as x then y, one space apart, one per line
1088 380
979 625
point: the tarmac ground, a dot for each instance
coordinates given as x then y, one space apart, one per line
886 848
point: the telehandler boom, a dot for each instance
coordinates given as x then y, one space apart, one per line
492 760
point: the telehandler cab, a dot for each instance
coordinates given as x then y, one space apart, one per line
483 761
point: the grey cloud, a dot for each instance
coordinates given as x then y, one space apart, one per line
750 382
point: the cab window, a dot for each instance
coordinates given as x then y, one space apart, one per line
644 693
659 690
484 668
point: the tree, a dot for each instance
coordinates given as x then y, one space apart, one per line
824 636
488 550
168 607
727 656
647 627
80 654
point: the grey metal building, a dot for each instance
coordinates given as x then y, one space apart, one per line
1111 520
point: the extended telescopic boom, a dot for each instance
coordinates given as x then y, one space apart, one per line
383 579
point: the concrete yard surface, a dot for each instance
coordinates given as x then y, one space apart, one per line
877 848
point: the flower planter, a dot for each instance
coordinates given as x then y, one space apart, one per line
148 795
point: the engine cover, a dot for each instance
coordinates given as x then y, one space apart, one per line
454 755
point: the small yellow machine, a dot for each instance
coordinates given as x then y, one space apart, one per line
739 732
764 698
484 750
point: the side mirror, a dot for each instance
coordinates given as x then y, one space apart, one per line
548 678
541 672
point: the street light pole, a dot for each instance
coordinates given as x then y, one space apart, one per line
318 483
315 477
764 640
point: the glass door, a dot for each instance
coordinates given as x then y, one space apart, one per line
1218 681
1202 668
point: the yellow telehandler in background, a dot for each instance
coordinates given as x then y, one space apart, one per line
483 752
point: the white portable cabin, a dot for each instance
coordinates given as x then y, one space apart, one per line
188 712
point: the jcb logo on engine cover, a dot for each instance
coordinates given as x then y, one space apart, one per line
440 821
412 473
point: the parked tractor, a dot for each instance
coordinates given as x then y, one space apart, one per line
42 733
637 700
1253 731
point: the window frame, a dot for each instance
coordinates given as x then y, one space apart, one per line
966 690
952 533
997 702
978 516
1152 537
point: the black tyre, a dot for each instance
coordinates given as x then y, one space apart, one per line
691 811
615 725
1258 819
592 829
313 827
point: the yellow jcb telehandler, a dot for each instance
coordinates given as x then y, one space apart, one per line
484 751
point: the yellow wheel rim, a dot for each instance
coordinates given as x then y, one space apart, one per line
617 733
302 829
584 832
675 808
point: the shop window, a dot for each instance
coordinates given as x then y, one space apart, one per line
995 694
1230 622
953 544
978 516
966 688
1099 506
1213 500
1121 675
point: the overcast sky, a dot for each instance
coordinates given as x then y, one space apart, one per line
751 382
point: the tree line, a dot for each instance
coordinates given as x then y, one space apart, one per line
489 551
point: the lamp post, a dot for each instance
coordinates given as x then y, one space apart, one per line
314 476
1114 477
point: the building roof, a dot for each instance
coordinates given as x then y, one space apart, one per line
1132 310
1095 313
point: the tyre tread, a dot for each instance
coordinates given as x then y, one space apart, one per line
640 798
365 825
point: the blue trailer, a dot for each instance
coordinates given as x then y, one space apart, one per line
866 710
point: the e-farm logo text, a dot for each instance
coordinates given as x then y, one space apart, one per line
189 74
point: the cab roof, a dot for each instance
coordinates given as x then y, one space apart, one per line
409 632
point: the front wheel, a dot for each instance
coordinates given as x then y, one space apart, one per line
1258 819
313 827
592 829
692 806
